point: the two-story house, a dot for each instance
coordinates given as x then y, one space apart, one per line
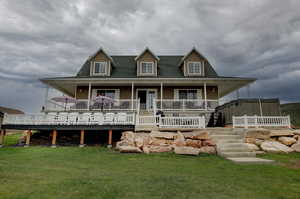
176 85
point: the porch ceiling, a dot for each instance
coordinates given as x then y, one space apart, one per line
225 85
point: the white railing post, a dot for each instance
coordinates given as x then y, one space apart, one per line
233 121
289 121
255 121
160 121
205 96
246 121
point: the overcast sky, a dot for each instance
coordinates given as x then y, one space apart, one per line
49 38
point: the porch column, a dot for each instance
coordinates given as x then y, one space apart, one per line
2 134
205 96
89 95
81 138
132 94
109 138
46 97
161 94
75 95
28 138
54 134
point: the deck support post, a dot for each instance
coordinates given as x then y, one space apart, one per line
132 95
28 138
161 95
2 135
89 96
81 138
54 134
205 96
109 138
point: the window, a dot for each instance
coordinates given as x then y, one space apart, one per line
107 93
195 68
187 94
99 68
147 68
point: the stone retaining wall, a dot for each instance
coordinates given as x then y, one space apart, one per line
188 143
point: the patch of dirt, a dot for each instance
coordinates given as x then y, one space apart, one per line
294 164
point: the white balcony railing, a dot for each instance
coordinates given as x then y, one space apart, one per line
171 122
186 105
65 118
261 121
84 105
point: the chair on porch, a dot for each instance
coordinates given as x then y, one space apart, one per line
62 118
84 118
72 118
97 119
121 118
109 118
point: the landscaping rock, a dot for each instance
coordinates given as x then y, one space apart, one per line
193 143
287 140
250 140
275 147
129 149
296 147
163 135
208 143
200 135
260 152
208 149
258 142
158 142
283 132
252 147
296 132
258 134
146 149
160 149
139 142
185 150
129 137
179 141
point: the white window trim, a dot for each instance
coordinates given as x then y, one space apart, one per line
99 74
199 93
141 71
201 68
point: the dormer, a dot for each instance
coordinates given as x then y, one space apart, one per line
193 64
147 63
100 64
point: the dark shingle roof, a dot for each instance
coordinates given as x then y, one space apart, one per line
125 67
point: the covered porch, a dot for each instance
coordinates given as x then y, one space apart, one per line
150 94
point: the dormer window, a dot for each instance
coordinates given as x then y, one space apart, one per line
195 68
147 68
100 68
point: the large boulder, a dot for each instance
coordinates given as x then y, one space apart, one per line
250 140
296 132
287 140
193 143
128 136
258 142
163 135
282 132
200 135
208 143
129 149
158 142
208 149
139 142
258 134
179 141
296 147
160 149
146 149
252 147
186 150
275 147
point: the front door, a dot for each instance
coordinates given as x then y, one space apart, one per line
147 97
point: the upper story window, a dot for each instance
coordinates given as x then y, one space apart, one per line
100 68
195 68
147 68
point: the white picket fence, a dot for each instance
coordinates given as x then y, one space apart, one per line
171 122
261 121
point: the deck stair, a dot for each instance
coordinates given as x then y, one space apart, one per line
230 145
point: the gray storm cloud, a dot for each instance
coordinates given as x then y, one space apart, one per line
251 38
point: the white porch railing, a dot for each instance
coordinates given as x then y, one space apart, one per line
186 105
261 121
171 122
83 105
65 118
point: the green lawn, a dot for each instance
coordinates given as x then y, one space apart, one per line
93 172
